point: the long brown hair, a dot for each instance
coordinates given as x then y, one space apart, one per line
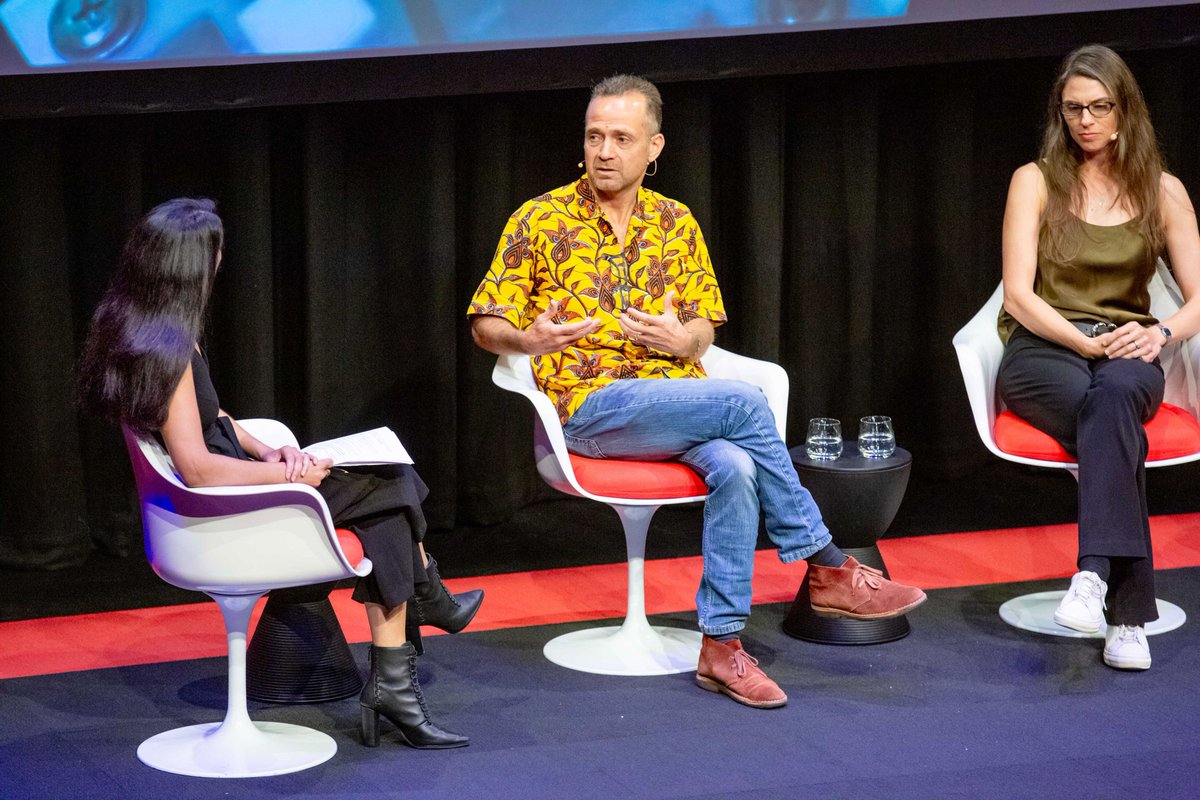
146 326
1137 163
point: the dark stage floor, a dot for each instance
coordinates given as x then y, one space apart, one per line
964 707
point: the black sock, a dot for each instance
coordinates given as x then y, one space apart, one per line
828 556
1097 564
726 637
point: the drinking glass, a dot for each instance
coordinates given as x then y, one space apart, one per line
876 439
824 442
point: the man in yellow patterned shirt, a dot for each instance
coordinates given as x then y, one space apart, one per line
609 287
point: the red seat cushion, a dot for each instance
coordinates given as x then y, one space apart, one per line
351 546
637 480
1172 433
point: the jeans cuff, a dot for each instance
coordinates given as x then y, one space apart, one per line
720 630
792 556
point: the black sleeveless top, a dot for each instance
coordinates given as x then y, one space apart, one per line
219 434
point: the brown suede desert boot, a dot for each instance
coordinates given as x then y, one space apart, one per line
859 592
726 668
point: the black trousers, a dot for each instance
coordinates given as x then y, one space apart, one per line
382 505
1096 409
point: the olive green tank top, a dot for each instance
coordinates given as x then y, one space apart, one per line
1106 281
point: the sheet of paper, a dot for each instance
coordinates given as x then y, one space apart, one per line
378 446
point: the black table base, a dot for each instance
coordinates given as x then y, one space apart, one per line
298 653
804 623
858 498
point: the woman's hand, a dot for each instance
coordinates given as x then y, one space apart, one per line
318 471
297 464
1092 347
1131 340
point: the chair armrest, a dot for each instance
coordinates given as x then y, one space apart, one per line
979 352
216 500
1181 368
1180 360
252 538
270 432
515 374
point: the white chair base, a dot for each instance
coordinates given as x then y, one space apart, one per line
1035 613
634 648
238 747
215 750
630 649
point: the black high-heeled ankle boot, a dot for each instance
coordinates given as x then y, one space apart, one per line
432 604
393 691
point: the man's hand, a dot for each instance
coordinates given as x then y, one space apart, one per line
547 336
662 332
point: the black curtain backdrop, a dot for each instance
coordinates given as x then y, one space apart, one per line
853 217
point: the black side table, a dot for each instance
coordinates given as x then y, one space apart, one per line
858 498
298 653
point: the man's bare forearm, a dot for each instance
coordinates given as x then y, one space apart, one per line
497 335
544 335
703 334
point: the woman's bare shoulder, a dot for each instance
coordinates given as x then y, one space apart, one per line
1028 186
1173 189
1030 173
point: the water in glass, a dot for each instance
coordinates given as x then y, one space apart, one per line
876 439
824 442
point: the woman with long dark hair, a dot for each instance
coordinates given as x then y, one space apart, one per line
142 367
1083 229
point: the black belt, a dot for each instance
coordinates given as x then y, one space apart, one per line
1094 329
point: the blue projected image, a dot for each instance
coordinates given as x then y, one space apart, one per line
91 34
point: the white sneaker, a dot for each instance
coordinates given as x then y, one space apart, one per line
1082 609
1125 647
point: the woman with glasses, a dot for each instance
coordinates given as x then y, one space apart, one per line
142 366
1083 229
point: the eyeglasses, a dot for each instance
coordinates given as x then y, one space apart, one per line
1098 108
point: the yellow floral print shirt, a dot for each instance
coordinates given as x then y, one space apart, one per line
559 246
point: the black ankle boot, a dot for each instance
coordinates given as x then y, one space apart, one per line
393 691
434 605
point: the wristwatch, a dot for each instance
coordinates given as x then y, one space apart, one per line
1165 332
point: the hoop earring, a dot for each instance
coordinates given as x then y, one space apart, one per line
653 163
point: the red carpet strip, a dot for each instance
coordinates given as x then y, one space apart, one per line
172 633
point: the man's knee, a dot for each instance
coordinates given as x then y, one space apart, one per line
727 464
746 396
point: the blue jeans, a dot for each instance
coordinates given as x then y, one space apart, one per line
725 431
